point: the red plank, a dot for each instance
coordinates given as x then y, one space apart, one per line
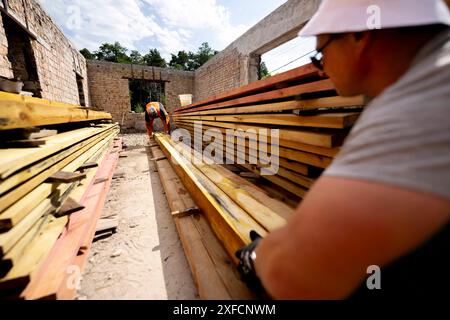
322 85
297 74
52 278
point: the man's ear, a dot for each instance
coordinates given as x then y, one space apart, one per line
362 41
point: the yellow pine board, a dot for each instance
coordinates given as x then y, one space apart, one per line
10 238
20 209
313 104
18 113
329 152
34 254
320 139
40 166
230 223
324 120
14 159
265 216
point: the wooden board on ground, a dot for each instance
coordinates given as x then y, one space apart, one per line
215 274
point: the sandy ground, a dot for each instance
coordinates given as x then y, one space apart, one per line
144 259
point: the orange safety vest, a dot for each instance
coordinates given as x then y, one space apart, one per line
154 109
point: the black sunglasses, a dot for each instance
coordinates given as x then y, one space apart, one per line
318 61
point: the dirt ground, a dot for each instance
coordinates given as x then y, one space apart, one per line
144 259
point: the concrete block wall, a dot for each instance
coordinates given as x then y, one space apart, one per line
238 64
109 89
57 60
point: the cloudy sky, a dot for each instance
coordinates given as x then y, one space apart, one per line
168 25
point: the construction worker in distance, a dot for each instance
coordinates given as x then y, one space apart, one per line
155 110
376 224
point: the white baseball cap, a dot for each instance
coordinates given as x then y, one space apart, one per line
340 16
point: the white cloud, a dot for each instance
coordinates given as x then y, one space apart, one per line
93 22
171 25
199 15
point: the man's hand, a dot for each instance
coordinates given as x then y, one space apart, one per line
246 266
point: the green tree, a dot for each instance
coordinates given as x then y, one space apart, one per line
136 57
204 53
113 53
190 61
87 54
263 71
153 58
180 61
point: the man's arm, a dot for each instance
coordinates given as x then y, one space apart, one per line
342 227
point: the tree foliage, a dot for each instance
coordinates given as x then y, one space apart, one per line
153 58
263 71
188 61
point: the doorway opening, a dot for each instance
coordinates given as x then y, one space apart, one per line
21 56
144 91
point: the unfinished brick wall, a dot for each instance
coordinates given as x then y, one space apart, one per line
222 75
56 60
109 88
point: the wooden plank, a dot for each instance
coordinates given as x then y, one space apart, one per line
25 270
178 197
34 254
69 206
257 193
302 105
17 113
209 284
213 271
279 193
266 217
44 133
66 177
86 166
228 273
303 72
323 120
282 182
329 152
17 193
230 223
107 224
51 279
320 139
36 168
22 143
12 160
13 257
313 87
20 209
289 154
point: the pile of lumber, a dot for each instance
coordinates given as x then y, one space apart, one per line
209 262
56 163
230 208
312 120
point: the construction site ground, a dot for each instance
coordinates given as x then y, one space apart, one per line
144 259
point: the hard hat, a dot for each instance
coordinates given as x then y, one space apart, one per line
340 16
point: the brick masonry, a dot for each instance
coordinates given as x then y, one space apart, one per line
56 59
109 89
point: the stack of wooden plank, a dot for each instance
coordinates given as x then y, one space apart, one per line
312 120
50 192
231 205
209 262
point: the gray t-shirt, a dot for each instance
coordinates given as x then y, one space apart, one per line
403 136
